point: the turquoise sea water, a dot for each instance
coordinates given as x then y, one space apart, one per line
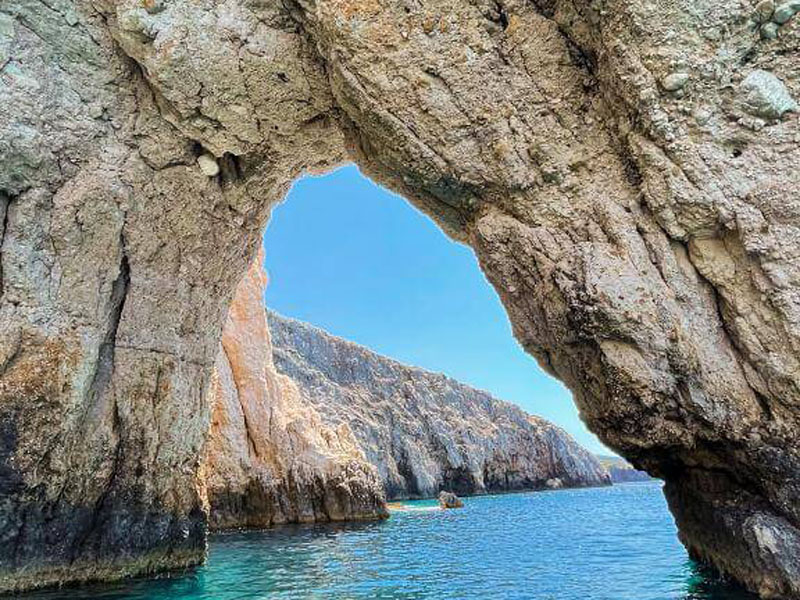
613 543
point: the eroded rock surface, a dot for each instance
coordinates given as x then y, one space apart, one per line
450 500
644 240
621 470
270 459
426 432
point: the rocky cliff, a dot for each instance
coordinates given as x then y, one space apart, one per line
269 458
426 432
621 470
625 171
630 475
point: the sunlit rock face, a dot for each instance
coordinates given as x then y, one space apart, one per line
269 458
625 171
426 432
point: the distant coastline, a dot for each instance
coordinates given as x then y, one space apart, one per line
620 470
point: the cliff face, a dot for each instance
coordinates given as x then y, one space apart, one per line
423 431
625 171
269 458
621 471
621 475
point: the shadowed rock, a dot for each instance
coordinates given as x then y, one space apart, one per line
645 243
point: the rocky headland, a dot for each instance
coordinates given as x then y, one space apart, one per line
423 431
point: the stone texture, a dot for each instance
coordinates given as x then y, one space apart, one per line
269 458
426 432
674 81
621 471
786 11
208 165
764 95
119 260
647 257
450 500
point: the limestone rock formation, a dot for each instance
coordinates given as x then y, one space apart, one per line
621 471
644 240
269 458
426 432
629 475
450 500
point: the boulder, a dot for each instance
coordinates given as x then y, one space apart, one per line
450 500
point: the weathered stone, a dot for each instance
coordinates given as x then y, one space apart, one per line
120 257
764 95
71 17
702 115
769 31
450 500
674 81
153 6
269 458
786 11
764 10
208 165
424 431
7 32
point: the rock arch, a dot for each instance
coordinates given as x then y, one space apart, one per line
623 171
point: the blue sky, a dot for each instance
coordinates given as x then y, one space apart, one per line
352 258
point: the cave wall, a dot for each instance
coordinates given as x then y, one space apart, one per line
625 172
120 257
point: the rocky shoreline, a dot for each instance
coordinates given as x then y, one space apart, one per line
621 471
423 431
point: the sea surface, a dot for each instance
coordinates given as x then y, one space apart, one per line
615 543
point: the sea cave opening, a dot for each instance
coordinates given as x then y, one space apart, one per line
367 298
144 145
347 255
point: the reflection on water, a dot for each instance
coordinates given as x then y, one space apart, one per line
598 544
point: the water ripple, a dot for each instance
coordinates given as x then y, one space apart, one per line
596 544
